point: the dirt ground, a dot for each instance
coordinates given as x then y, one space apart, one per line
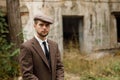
69 76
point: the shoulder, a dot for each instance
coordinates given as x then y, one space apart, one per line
52 42
28 43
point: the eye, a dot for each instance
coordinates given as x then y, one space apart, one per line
47 25
41 25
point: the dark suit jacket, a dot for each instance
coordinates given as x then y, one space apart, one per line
34 65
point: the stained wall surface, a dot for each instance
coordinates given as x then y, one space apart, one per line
99 21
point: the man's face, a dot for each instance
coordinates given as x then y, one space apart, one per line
42 28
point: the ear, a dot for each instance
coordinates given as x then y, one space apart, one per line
34 25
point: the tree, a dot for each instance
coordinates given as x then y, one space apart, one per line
9 67
14 22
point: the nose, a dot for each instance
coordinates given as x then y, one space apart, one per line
44 26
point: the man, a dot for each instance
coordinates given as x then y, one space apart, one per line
40 57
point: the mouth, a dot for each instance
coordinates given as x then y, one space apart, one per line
44 32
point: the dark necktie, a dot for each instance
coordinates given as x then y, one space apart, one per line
46 51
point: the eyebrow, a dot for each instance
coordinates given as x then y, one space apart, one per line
44 23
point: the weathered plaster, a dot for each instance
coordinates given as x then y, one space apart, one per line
99 24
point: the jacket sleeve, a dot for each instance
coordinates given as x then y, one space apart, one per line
26 63
59 67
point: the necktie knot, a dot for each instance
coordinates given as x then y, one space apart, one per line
44 43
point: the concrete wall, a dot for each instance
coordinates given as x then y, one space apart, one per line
99 28
38 6
3 5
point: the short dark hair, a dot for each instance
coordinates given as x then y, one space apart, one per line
36 21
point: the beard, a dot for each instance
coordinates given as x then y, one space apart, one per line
42 35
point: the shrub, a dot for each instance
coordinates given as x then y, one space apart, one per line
8 65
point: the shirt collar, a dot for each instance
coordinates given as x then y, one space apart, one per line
41 41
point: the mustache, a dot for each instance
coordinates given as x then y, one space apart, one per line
42 35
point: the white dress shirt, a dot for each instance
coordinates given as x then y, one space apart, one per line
41 43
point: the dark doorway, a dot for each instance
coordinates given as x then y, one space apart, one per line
71 31
118 27
117 16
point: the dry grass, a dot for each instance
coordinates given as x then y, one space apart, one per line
105 68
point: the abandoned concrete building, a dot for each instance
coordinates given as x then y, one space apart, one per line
94 24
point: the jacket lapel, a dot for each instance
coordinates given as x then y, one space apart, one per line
39 50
